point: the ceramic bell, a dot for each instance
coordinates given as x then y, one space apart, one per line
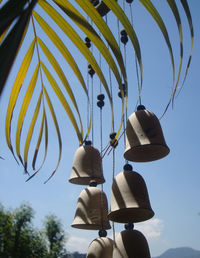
91 210
87 166
131 244
101 247
129 198
144 137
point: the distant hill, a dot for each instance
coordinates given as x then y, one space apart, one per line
181 252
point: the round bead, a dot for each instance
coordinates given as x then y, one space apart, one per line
87 39
119 94
100 103
129 226
141 107
102 233
94 2
128 167
93 183
88 142
129 1
123 33
124 39
88 44
101 97
114 143
112 135
91 72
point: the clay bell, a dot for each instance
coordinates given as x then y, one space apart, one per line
144 137
92 210
101 247
131 244
129 198
87 166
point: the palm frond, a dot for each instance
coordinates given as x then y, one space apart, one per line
74 20
11 44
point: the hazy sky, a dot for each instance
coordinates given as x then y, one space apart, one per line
173 182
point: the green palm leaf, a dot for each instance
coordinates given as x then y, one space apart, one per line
63 101
23 110
15 91
10 46
62 77
78 42
57 130
30 131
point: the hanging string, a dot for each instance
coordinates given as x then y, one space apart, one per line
88 104
92 102
136 63
113 177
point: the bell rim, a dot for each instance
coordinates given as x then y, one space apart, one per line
129 154
92 226
127 211
86 180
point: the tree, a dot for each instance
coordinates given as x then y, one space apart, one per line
55 236
19 239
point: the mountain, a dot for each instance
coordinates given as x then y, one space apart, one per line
181 252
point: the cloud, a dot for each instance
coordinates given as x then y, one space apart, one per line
152 229
77 244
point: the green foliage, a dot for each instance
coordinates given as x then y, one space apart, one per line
55 236
19 239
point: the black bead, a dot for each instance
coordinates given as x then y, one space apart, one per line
114 143
129 226
128 167
88 142
94 2
124 39
101 97
141 107
112 135
87 39
102 233
91 72
123 33
93 183
88 44
120 94
100 103
129 1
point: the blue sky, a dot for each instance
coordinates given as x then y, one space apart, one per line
173 182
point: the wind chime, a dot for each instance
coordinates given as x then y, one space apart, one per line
129 204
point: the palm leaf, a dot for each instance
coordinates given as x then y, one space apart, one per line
63 101
11 10
117 10
43 128
78 42
106 33
189 17
23 110
62 48
62 77
158 19
94 37
57 130
15 92
30 132
174 9
10 45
